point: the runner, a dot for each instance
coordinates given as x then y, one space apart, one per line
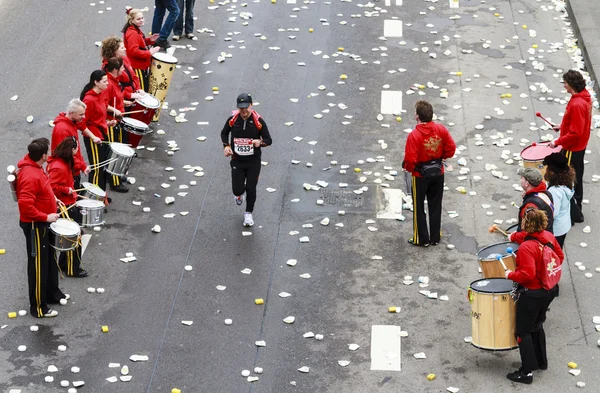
249 133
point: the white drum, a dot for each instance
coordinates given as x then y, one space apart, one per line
120 158
66 234
134 126
92 191
91 212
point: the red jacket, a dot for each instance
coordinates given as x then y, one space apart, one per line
114 94
136 45
529 258
95 113
576 123
61 179
64 127
428 141
129 80
34 193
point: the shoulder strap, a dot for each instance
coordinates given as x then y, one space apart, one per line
549 244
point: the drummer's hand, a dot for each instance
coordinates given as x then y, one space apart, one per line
87 169
97 141
228 152
117 113
553 143
154 49
154 36
112 123
140 93
71 191
507 272
556 128
134 96
52 217
256 142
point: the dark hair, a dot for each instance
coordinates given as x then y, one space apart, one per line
424 111
95 76
110 46
557 177
534 220
64 151
37 148
575 80
114 63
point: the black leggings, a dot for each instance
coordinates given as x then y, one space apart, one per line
244 177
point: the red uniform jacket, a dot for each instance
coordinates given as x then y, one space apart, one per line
576 123
114 94
61 179
529 258
428 141
129 80
95 113
136 45
64 127
34 193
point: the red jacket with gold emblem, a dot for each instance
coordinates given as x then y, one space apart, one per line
34 193
576 123
428 141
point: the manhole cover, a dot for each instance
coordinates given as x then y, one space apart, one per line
341 198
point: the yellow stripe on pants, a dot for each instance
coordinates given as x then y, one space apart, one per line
569 156
111 138
140 76
96 162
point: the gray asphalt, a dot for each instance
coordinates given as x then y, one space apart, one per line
48 53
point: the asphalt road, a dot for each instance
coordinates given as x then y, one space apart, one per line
48 53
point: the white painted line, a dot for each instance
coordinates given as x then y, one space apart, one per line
392 28
385 348
392 208
391 102
85 240
389 2
291 1
454 3
398 2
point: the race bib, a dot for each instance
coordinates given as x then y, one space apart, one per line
243 146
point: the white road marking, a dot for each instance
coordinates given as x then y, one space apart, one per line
392 208
291 1
385 348
454 3
392 28
389 2
391 102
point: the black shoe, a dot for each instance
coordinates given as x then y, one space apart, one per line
120 188
412 241
434 243
521 377
81 274
162 43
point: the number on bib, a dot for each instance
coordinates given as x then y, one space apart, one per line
243 146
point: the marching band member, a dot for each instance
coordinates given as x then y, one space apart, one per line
130 83
60 168
137 46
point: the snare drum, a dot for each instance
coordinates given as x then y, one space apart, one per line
488 259
493 314
134 126
148 104
533 155
91 212
66 234
161 72
92 191
121 156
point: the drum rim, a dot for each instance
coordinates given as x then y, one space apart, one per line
495 244
115 146
540 144
130 121
82 203
58 224
478 290
161 57
144 104
494 349
93 188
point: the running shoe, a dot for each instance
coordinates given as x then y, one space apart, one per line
176 38
50 313
239 199
248 221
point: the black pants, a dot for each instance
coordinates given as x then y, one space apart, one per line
96 154
244 177
42 272
116 134
77 181
561 240
144 77
70 261
431 188
531 315
575 159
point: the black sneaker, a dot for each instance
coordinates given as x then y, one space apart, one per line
81 273
162 43
120 188
521 377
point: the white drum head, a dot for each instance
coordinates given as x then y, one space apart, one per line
149 101
122 149
165 57
94 189
134 123
90 203
65 227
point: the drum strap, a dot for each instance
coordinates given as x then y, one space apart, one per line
128 84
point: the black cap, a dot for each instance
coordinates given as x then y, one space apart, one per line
556 162
244 100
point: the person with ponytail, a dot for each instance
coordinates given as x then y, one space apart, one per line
138 46
130 83
114 68
61 166
94 97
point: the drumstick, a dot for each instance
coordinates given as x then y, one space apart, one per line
138 111
108 143
495 228
538 114
499 258
68 208
104 163
82 196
